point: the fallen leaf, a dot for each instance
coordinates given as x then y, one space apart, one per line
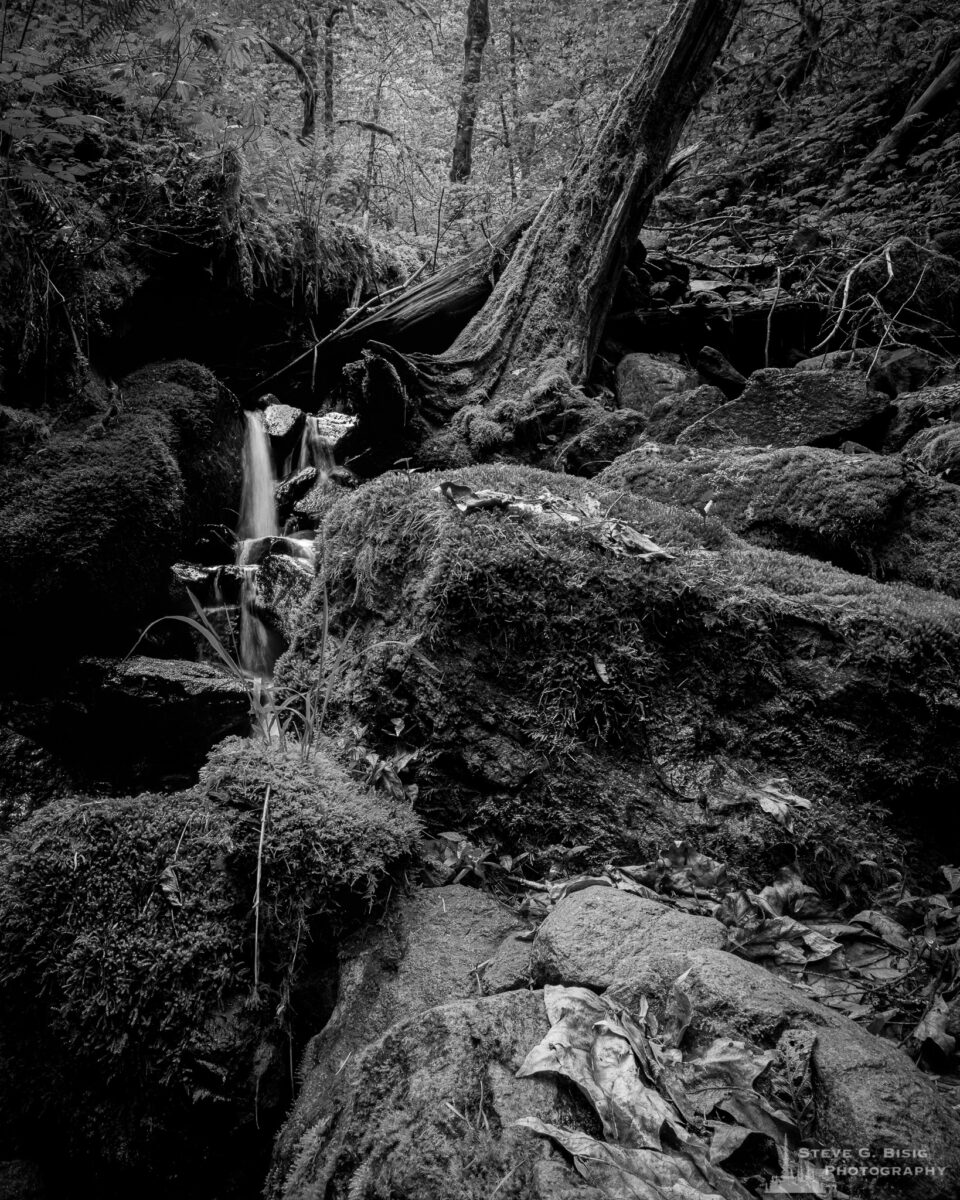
170 886
640 1174
933 1028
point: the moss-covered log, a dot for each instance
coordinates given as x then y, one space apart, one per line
431 314
550 304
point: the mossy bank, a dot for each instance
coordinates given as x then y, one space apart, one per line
163 958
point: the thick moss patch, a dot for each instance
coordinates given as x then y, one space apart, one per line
92 518
144 1029
874 514
558 691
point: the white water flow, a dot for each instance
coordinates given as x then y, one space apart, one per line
258 519
258 507
316 450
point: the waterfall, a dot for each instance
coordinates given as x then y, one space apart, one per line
258 507
316 450
258 519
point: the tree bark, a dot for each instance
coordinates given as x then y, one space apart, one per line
536 336
333 11
478 30
311 36
937 89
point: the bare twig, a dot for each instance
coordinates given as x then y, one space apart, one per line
773 308
256 895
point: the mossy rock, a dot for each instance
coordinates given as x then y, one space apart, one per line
872 514
563 693
150 1005
90 523
937 450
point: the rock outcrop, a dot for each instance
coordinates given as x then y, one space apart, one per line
426 952
434 1096
874 514
916 411
643 379
91 520
787 407
631 682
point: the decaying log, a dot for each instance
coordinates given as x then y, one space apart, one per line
430 315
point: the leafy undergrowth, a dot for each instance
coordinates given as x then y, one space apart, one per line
161 957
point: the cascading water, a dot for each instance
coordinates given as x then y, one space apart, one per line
316 449
258 506
258 519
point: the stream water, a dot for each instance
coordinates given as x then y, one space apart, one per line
316 449
258 519
258 506
259 645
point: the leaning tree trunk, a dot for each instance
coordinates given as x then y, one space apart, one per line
538 332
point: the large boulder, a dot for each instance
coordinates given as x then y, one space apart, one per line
415 1087
670 416
91 520
916 411
643 379
867 1095
163 957
787 407
632 676
426 951
593 936
428 1111
604 436
163 714
282 583
892 369
908 281
867 513
284 425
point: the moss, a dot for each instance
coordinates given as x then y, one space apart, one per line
937 450
133 1033
205 429
866 513
473 425
88 528
556 687
91 521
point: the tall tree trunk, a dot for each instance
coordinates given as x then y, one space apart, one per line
478 30
311 63
333 11
537 334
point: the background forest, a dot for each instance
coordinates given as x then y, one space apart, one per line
319 151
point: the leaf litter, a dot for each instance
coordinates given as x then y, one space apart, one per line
894 967
670 1118
614 535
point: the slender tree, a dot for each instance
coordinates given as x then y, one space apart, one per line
478 30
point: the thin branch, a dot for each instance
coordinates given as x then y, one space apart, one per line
256 895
